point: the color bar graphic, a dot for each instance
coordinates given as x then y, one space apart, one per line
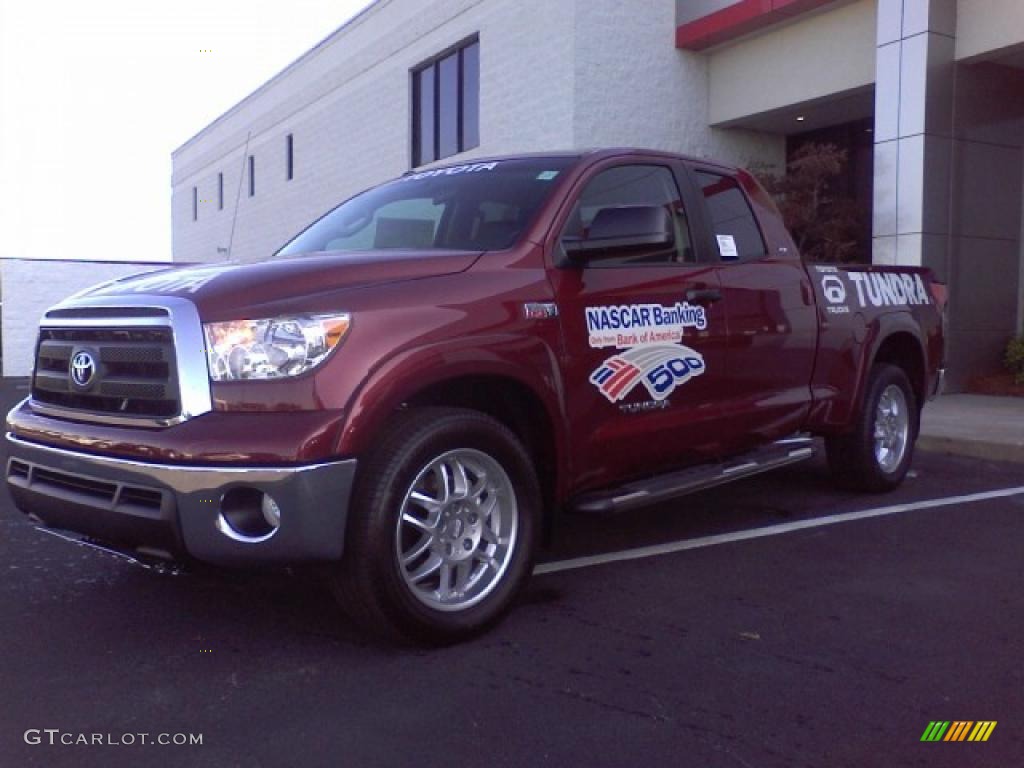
958 730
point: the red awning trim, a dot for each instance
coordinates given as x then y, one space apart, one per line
739 19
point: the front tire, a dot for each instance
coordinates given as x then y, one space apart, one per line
876 455
442 528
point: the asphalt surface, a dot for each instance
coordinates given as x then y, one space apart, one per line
827 646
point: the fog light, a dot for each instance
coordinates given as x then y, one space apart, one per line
271 512
248 515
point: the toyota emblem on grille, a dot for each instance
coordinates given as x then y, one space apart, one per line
83 369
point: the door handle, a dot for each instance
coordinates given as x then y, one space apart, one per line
703 295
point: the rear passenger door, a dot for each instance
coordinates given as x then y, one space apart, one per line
644 337
769 312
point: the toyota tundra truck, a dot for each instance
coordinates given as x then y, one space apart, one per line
410 390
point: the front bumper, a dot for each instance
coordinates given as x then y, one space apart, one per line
174 512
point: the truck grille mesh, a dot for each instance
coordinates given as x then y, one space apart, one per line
135 371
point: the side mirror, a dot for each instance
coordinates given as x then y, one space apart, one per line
625 228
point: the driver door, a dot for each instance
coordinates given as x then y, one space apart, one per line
643 329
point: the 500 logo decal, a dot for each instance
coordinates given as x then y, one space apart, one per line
659 367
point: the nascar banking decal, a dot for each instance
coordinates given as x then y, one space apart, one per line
650 336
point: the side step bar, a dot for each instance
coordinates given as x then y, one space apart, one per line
662 487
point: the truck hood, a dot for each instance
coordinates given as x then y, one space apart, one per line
223 289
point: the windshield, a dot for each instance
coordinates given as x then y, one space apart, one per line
475 207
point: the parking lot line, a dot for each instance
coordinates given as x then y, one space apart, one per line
668 548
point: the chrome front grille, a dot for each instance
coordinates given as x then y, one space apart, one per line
136 373
145 361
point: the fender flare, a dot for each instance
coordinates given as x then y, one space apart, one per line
881 329
528 361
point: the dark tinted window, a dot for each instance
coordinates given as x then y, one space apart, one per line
733 225
446 105
289 151
220 191
475 207
424 114
471 96
633 185
252 176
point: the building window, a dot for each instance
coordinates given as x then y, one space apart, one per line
446 105
252 176
195 204
290 156
220 191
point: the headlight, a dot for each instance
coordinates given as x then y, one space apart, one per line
274 348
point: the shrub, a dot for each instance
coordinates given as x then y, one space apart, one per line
824 223
1015 358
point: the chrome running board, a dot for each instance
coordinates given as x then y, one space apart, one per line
642 493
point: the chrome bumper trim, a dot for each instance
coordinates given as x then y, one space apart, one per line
314 501
181 478
70 414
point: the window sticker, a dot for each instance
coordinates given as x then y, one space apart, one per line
727 246
547 175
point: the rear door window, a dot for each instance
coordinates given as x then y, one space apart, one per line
737 237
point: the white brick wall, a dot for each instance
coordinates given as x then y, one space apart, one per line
554 75
635 88
348 106
30 287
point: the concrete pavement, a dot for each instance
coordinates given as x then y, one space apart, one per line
980 426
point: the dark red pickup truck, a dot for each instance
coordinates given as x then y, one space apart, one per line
412 387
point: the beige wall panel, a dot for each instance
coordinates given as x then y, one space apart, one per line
814 57
984 26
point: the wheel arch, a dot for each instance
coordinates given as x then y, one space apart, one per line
893 338
904 350
513 404
897 342
516 382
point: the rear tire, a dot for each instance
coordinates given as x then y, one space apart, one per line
876 455
442 529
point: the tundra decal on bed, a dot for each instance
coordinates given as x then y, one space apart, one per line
875 289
